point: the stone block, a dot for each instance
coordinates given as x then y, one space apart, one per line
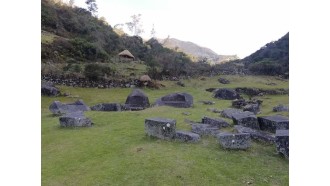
234 141
273 123
162 128
282 142
186 136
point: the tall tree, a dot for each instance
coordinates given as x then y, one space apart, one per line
153 32
71 3
135 26
92 6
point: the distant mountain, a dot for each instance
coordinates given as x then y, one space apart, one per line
196 52
271 59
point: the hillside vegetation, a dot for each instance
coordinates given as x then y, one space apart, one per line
71 35
72 38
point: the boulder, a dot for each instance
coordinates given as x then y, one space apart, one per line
216 122
282 142
75 119
137 100
226 94
59 108
228 113
238 103
180 100
162 128
234 141
48 89
256 134
107 107
223 81
246 119
273 123
255 108
204 129
186 136
281 108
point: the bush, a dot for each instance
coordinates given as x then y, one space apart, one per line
266 68
97 72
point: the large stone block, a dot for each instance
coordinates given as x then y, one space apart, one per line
186 136
226 94
59 108
246 119
160 127
281 108
180 100
75 119
234 141
282 142
107 107
256 134
204 129
137 100
48 89
273 123
228 113
217 122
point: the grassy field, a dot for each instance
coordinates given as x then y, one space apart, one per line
116 151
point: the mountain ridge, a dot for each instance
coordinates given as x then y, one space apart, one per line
195 51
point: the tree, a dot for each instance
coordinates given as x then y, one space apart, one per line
135 26
92 6
153 32
71 3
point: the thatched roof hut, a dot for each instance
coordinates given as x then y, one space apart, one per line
126 54
145 78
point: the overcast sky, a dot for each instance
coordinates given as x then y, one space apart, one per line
226 26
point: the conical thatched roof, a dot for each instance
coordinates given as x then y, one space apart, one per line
145 78
126 53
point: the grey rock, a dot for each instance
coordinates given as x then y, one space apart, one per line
234 141
238 103
255 108
281 108
228 113
226 94
59 108
246 119
204 129
48 89
137 100
186 136
223 81
273 123
217 122
107 107
75 119
160 127
256 134
180 100
282 142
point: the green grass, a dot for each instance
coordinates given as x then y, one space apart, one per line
47 37
116 151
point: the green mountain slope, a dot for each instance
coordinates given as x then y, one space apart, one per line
271 59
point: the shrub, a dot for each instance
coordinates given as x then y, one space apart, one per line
97 72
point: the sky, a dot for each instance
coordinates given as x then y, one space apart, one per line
227 27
